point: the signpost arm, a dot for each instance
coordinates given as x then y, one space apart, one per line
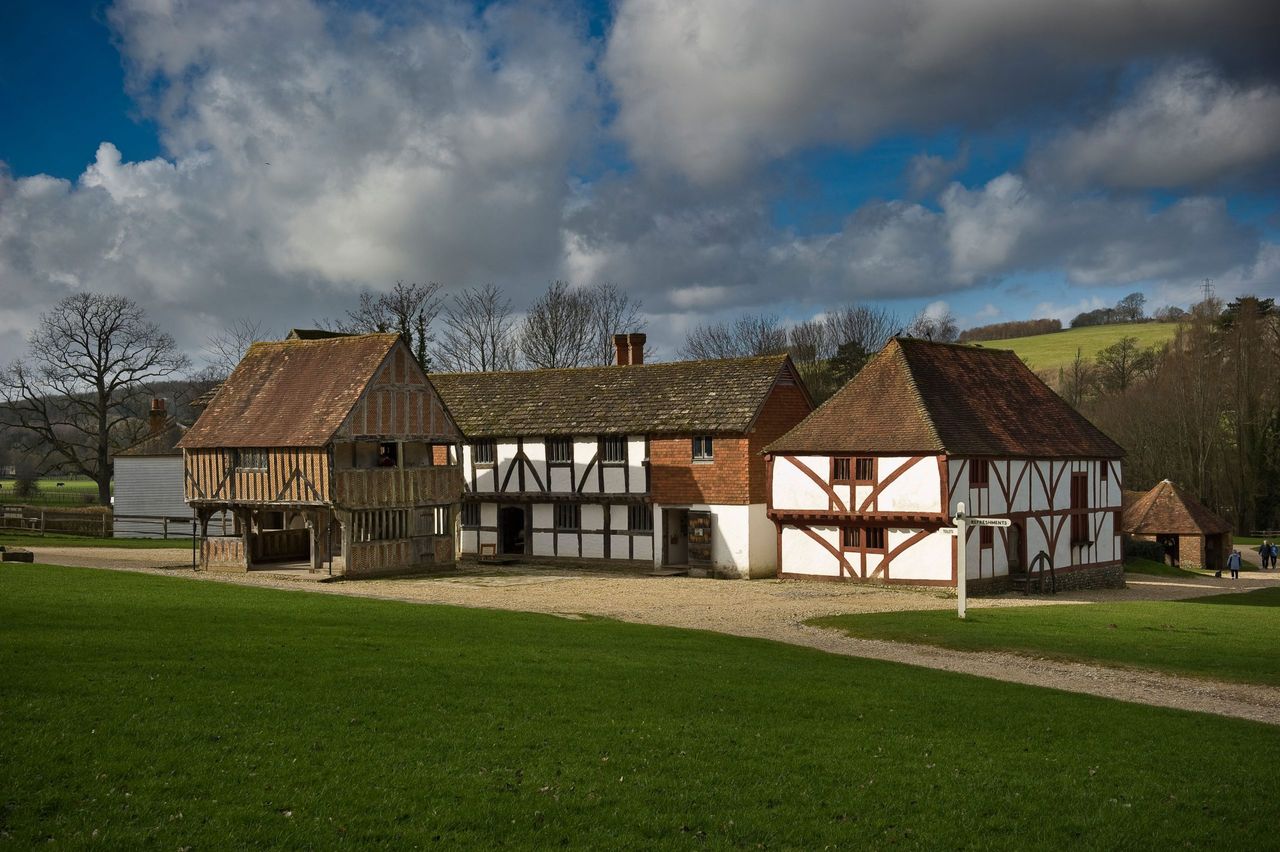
962 570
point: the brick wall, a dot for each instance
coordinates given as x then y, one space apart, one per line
737 475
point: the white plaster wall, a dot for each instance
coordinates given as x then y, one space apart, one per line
802 555
592 545
468 541
618 517
764 541
562 479
544 544
793 489
844 492
730 538
615 478
636 458
488 514
592 516
618 546
535 450
927 559
584 449
644 548
506 459
567 544
916 490
543 515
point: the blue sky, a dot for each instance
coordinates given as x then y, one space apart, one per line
711 159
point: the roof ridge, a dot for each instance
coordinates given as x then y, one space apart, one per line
920 403
780 358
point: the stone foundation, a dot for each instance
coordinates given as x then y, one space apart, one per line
1071 580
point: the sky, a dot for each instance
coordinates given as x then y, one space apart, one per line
1001 159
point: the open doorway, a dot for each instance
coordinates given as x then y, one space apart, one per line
511 530
1017 551
675 536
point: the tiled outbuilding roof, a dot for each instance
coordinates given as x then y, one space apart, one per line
1167 508
290 393
715 396
162 443
916 396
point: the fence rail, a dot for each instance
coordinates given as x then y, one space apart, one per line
42 521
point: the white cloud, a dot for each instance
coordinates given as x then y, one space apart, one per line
708 90
1183 126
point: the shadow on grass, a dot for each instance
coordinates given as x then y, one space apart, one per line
1258 597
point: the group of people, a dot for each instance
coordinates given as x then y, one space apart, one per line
1267 552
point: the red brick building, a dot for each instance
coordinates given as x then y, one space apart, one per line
1192 536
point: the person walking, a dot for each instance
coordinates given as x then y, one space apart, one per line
1264 554
1233 564
1275 552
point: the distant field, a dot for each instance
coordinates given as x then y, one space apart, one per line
72 492
159 713
1051 351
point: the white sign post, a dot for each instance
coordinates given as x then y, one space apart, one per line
962 545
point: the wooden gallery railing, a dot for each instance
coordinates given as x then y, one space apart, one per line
396 487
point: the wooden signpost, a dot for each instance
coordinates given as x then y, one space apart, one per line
960 531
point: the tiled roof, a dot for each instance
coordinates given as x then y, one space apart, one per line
1168 508
916 396
290 393
644 399
162 443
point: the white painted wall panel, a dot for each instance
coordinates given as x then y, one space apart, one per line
567 544
793 489
636 457
802 555
543 515
149 485
764 542
927 559
544 544
917 488
615 479
592 517
592 546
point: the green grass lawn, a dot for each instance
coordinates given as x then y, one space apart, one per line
35 542
1160 569
1051 351
162 712
73 492
1233 637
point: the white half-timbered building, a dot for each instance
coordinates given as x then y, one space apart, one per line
864 487
659 464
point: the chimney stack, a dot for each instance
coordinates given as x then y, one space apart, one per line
158 416
630 349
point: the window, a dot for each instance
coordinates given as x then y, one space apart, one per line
440 521
978 473
703 449
613 449
986 537
471 514
864 470
840 470
560 450
1102 466
568 516
380 525
862 538
388 454
640 517
483 452
1079 508
250 459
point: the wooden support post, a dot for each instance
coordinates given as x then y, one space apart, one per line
246 535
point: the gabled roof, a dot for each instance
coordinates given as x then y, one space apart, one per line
715 396
916 396
1167 508
290 393
162 443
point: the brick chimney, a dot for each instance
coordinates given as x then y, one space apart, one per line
630 349
158 416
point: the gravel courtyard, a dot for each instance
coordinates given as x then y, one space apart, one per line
765 609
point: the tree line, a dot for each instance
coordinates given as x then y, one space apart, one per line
1203 410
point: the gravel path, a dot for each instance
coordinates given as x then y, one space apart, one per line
767 609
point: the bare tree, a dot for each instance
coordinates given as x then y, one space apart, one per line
870 328
86 373
612 312
749 334
1123 362
479 332
560 329
1076 381
224 350
409 309
940 328
809 342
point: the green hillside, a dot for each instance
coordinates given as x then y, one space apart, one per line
1051 351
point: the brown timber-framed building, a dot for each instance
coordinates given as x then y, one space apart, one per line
332 451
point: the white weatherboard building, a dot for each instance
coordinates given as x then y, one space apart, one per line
660 464
148 482
866 486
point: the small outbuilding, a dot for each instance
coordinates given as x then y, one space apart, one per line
1192 535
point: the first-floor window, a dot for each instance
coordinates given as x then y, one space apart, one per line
483 452
380 525
862 538
613 449
841 470
703 448
440 521
568 516
471 514
864 470
986 537
1079 507
559 450
640 517
979 473
249 458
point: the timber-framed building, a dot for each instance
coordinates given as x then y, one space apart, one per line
866 487
333 452
653 464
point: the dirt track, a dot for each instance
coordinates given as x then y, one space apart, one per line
768 609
